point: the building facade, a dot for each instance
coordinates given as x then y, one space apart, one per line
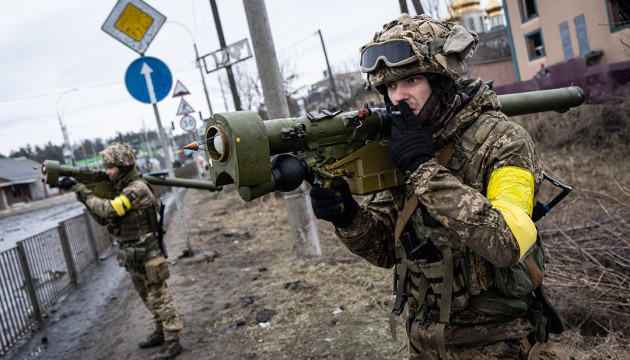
545 33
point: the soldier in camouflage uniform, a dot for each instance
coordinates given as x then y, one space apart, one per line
468 261
132 217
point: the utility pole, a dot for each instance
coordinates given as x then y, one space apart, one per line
217 22
147 141
68 154
171 172
417 6
330 74
403 6
197 63
299 210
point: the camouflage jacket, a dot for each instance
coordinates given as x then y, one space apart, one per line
131 216
453 195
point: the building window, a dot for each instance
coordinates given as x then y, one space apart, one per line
580 29
535 47
618 14
565 36
16 192
528 9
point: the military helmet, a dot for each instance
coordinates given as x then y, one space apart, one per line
416 45
118 154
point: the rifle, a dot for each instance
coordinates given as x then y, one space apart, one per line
349 144
64 177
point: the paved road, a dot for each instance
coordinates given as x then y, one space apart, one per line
33 218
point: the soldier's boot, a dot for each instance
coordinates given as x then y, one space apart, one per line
155 339
169 350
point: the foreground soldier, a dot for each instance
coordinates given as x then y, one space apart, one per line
468 262
132 218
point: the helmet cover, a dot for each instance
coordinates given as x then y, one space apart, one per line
118 154
439 46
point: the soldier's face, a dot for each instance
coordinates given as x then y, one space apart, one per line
414 90
111 171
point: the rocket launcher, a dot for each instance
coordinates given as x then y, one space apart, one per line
320 147
99 182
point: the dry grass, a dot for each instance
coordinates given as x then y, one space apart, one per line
587 235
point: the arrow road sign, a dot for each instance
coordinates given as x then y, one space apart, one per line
184 108
188 123
180 90
148 80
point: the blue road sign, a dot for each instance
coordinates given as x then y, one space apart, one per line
148 80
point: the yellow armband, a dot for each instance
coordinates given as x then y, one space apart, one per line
511 191
120 203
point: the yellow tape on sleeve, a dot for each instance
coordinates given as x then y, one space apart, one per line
520 224
125 201
511 191
120 203
514 185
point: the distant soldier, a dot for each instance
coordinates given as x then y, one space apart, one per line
132 217
468 261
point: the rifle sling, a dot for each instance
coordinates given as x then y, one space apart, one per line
412 203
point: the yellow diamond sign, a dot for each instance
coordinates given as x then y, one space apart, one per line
134 23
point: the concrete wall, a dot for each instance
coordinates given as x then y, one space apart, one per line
501 72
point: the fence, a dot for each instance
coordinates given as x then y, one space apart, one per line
41 269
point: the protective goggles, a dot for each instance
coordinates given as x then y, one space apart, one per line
394 53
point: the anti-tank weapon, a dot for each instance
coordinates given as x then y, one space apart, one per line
348 144
57 175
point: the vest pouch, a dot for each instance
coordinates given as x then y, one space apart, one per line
434 272
135 259
157 270
492 302
480 276
516 280
539 321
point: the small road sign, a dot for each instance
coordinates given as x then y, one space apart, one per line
184 108
180 90
134 23
188 123
148 80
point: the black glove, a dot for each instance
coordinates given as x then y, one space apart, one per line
66 183
410 145
334 204
81 192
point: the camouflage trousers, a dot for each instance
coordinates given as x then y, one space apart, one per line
159 300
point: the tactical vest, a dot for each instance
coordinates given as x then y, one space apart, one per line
456 278
136 223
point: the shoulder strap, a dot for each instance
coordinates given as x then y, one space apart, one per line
412 203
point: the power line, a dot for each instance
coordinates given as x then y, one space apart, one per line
89 87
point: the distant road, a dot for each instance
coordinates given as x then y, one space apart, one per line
33 218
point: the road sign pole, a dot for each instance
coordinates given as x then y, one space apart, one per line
171 173
149 80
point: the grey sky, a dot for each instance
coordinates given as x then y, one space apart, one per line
50 47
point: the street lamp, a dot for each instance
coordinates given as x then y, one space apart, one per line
203 80
68 155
